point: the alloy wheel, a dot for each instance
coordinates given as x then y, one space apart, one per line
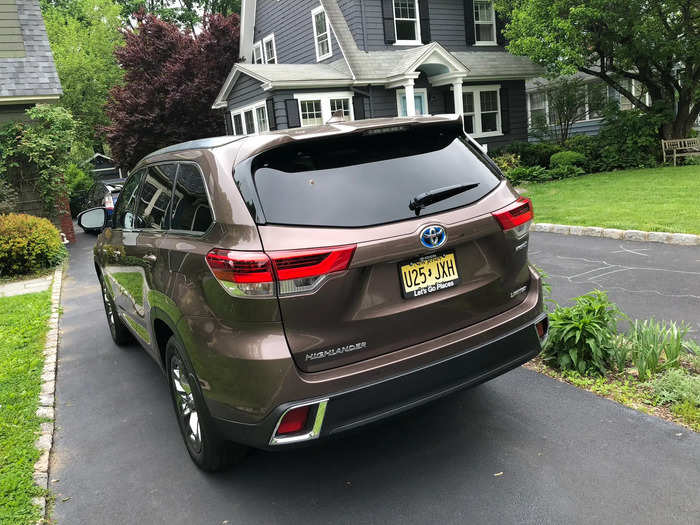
185 405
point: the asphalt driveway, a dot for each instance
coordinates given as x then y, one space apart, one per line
520 449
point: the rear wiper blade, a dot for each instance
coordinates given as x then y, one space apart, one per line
438 194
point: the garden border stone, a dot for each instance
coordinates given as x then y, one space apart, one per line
47 397
681 239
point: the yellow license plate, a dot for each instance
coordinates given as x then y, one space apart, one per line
429 274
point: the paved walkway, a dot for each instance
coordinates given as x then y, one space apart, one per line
26 286
566 456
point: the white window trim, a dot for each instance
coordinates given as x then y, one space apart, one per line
476 90
423 92
325 99
314 12
493 42
418 40
546 105
268 38
252 107
257 46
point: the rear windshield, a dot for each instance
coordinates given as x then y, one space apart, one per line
365 180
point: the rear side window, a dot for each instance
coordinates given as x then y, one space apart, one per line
191 210
124 210
367 179
154 199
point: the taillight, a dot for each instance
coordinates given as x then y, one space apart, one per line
516 215
109 202
297 271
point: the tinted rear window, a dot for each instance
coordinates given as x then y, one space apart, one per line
365 180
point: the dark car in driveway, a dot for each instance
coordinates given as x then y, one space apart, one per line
102 194
296 284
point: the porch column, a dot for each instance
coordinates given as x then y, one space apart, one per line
459 102
410 98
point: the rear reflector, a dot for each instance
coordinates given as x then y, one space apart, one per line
293 421
515 214
254 273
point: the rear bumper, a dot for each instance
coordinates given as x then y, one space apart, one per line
371 402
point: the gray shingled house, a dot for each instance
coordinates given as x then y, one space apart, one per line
27 71
306 60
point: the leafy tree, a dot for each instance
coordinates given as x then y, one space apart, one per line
186 13
83 36
653 42
171 80
568 99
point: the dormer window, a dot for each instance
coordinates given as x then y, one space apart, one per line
484 23
322 34
258 53
407 22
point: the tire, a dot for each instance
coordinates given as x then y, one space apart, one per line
120 333
209 451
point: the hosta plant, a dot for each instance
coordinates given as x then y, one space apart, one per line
582 336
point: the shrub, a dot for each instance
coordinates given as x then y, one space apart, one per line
532 153
567 158
564 171
28 244
527 174
79 183
676 386
650 340
581 336
507 162
8 197
628 139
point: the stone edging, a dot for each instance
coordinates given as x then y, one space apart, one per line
47 396
684 239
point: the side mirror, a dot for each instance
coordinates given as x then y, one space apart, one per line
93 219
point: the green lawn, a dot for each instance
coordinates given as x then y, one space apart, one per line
656 199
23 327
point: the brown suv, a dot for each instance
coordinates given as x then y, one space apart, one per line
300 283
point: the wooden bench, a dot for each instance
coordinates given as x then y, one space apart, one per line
680 148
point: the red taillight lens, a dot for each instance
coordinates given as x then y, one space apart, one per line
240 267
293 421
515 214
311 263
109 202
254 273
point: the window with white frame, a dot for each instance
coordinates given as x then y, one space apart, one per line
637 89
322 34
538 106
258 57
484 22
420 97
250 119
316 109
269 49
406 22
482 110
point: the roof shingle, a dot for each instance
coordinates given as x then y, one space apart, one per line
34 74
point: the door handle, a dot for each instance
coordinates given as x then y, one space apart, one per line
150 258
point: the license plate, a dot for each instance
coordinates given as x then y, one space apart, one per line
428 274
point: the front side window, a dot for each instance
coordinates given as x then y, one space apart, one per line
406 21
153 205
126 204
482 110
484 22
311 114
322 35
270 49
258 57
191 211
